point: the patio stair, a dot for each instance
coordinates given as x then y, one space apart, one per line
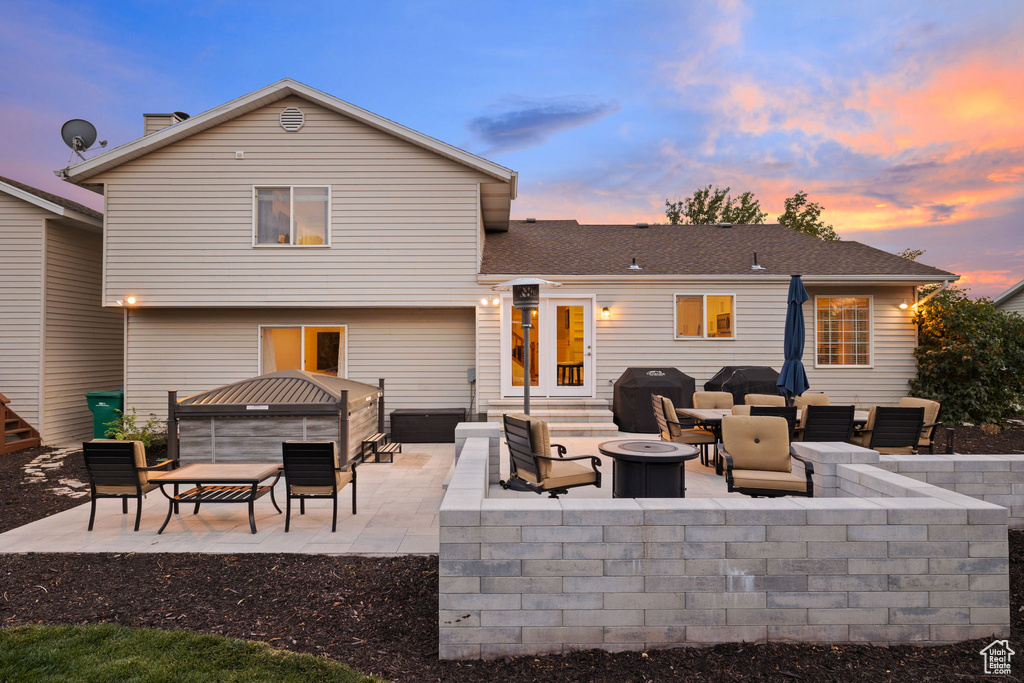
15 433
565 416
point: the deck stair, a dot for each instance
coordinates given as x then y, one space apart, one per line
565 416
15 433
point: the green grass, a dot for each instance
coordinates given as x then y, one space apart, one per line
107 652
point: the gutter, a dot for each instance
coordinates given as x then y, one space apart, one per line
944 285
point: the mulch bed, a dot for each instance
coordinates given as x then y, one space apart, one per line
379 615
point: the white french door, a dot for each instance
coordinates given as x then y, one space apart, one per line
561 348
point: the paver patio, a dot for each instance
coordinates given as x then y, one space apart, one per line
397 514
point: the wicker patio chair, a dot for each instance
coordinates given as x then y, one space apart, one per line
117 469
311 471
531 469
758 461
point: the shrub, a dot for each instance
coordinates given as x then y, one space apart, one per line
970 357
126 428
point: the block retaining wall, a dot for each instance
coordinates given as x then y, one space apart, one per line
908 563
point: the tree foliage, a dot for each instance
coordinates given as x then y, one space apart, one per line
911 254
804 216
707 206
970 358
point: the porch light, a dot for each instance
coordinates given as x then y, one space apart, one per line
605 313
905 304
494 301
130 300
526 297
483 302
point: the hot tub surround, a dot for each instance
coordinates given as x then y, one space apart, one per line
884 559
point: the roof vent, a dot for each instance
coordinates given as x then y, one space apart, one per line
531 220
642 225
725 225
755 266
634 266
292 119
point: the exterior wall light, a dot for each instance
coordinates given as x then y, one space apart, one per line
605 313
904 305
494 301
483 302
130 301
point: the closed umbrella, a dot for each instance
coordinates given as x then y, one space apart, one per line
793 380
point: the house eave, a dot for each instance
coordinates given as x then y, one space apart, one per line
491 279
57 209
1009 294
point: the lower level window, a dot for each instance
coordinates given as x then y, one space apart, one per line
314 349
843 326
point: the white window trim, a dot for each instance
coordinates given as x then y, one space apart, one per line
704 313
291 210
302 355
871 332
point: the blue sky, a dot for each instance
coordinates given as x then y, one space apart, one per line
902 119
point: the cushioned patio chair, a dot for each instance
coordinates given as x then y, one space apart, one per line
811 399
704 400
117 469
788 412
892 430
672 430
826 423
931 420
757 458
764 400
532 469
311 471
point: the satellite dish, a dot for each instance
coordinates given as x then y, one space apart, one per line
79 135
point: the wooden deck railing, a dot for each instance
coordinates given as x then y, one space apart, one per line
15 433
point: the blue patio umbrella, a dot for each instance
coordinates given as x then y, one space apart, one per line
793 380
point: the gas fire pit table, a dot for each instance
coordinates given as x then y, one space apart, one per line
648 469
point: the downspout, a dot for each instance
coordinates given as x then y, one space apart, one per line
945 284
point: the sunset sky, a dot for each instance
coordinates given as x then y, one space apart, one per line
904 119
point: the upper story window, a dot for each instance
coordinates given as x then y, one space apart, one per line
292 216
705 316
843 331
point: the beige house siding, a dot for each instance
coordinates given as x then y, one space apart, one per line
1014 304
640 333
21 316
404 221
84 342
422 353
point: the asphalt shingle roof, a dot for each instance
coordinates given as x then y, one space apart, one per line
54 198
564 247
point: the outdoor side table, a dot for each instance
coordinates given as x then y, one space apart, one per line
648 469
219 483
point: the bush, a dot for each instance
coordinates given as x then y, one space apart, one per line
970 357
126 428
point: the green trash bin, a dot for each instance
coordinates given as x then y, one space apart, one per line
104 406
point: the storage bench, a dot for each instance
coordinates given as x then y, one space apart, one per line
425 425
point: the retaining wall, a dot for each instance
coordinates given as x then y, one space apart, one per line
909 563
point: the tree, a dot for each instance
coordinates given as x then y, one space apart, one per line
804 216
970 358
709 207
911 254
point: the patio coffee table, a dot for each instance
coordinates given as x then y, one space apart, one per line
219 483
648 469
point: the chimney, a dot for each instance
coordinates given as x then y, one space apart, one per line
152 123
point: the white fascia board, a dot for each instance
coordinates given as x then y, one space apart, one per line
732 279
1008 293
268 95
50 206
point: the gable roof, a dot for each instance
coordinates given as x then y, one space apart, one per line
1009 294
51 202
268 95
564 247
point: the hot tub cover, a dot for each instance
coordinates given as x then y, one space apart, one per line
292 390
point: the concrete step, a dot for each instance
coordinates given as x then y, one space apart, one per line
553 416
516 404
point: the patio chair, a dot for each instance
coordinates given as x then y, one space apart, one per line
764 400
673 430
788 412
810 399
531 469
117 469
931 420
826 423
311 471
757 458
892 430
712 399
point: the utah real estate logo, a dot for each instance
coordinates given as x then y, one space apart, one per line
997 658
